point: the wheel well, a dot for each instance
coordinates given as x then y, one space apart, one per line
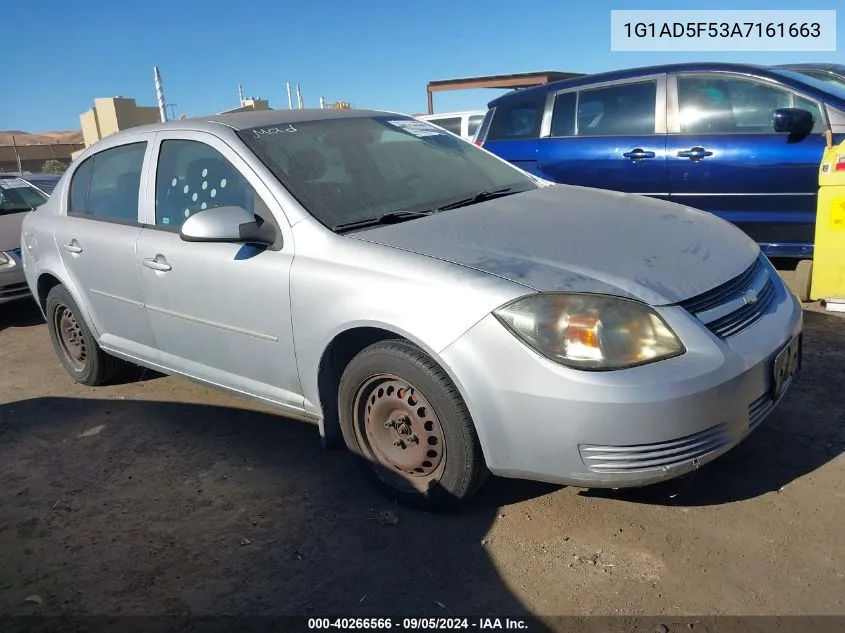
343 348
46 283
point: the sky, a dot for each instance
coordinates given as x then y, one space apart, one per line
371 53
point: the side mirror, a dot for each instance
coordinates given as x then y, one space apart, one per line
229 224
792 121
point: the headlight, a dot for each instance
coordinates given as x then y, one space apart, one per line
4 259
593 332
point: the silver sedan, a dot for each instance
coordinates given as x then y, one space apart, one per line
441 313
17 198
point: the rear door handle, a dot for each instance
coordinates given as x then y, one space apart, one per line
637 154
72 247
157 263
696 153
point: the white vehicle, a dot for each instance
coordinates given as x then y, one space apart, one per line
464 124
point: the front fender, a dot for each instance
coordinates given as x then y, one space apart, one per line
338 284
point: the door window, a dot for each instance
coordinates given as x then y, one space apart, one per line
734 105
453 124
193 176
627 109
106 185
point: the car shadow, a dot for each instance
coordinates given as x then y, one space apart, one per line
20 313
126 507
804 432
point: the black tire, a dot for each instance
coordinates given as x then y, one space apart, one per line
460 470
802 280
94 367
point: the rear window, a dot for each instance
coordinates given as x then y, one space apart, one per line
518 117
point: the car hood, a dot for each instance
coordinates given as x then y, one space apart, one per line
10 230
567 238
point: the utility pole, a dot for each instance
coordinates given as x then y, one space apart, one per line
172 107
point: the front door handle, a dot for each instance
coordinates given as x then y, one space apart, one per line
72 247
696 153
637 154
157 263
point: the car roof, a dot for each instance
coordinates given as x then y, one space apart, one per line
813 66
632 73
254 118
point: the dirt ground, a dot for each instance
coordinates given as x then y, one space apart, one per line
163 497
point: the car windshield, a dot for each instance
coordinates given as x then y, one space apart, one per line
835 88
828 78
349 170
16 196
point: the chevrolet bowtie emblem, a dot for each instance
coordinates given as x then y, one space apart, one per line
749 297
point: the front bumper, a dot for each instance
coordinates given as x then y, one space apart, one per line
13 284
541 421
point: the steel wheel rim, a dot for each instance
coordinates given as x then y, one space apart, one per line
400 432
71 338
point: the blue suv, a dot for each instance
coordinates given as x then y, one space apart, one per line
741 141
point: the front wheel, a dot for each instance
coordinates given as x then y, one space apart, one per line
404 418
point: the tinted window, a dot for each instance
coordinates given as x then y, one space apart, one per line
453 124
349 169
833 80
114 179
474 121
811 106
617 110
79 187
518 117
193 176
563 117
734 105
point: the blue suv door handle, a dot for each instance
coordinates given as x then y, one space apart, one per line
696 153
637 154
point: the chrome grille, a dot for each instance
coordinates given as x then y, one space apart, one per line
734 306
654 457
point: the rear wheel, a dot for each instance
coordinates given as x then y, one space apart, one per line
75 344
404 418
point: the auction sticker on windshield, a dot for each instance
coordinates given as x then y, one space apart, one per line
417 128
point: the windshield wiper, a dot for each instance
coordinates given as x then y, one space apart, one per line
481 196
385 218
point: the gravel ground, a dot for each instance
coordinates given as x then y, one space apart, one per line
163 497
